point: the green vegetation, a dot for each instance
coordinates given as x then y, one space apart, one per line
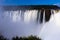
21 38
26 38
2 37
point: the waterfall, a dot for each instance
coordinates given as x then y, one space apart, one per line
51 29
23 22
44 17
56 17
30 15
27 16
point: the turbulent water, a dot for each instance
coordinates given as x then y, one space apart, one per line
51 30
20 23
42 23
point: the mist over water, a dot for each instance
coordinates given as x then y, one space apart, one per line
51 30
19 23
30 22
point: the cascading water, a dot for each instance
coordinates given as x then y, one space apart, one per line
30 15
29 22
21 22
51 29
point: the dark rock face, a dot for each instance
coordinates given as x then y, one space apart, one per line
47 14
41 14
30 7
42 8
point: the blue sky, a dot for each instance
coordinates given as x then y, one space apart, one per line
29 2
